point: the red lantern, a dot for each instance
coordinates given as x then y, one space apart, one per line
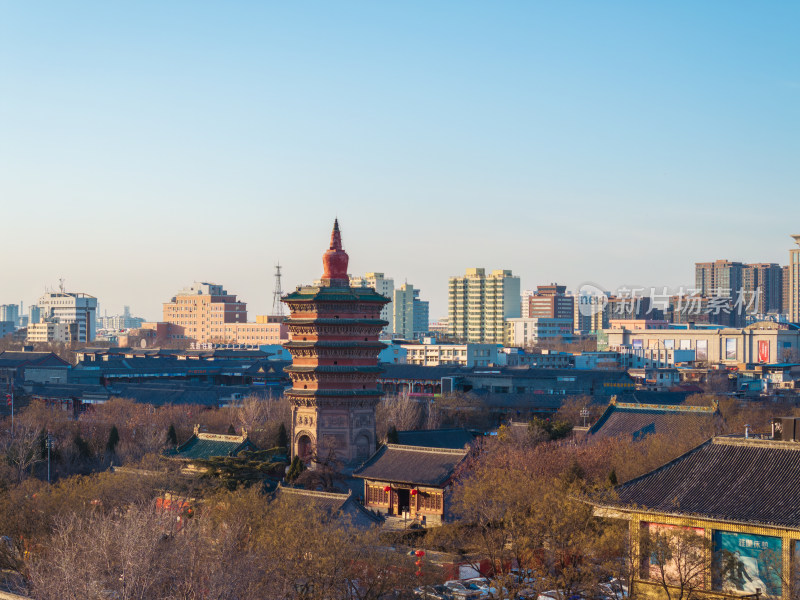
418 563
414 492
419 573
387 488
420 553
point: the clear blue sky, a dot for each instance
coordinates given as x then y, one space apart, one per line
144 145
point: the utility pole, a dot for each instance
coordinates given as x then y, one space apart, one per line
584 414
49 443
10 401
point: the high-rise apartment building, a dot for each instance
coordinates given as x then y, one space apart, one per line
763 288
786 297
794 281
385 287
592 312
721 278
479 304
10 313
205 311
409 313
70 308
551 302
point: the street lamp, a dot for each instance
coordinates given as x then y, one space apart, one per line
584 414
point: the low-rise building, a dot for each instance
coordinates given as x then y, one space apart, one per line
764 342
737 495
531 331
204 446
50 332
431 354
332 505
637 420
410 481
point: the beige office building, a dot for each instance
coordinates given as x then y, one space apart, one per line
764 342
50 332
480 304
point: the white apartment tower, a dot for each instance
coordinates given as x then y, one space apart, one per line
410 314
70 308
479 304
385 287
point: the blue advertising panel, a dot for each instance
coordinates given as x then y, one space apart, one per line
747 563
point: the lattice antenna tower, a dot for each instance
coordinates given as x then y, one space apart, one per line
277 304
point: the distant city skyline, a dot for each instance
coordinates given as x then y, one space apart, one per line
144 147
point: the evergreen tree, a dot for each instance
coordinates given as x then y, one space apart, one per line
172 436
231 430
113 440
612 477
295 469
82 446
283 438
391 436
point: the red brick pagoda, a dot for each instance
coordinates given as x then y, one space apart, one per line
333 339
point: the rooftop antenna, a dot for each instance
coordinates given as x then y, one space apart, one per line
61 284
277 303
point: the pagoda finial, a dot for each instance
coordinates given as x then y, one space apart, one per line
336 236
335 260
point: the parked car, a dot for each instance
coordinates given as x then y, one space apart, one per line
465 591
434 592
482 583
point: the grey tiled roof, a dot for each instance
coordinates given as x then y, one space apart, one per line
333 505
411 464
436 438
636 420
199 448
726 478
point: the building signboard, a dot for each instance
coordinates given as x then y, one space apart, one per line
747 563
763 351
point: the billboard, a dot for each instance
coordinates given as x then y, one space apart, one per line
763 351
701 350
747 563
730 348
662 542
669 344
637 344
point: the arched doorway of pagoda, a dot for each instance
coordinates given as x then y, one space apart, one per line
362 447
305 448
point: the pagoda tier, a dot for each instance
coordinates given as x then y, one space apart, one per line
334 334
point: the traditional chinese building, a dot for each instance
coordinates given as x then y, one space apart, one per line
333 333
410 481
204 446
738 495
637 420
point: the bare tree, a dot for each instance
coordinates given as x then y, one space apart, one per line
398 410
22 448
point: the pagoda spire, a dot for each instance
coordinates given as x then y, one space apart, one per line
336 236
335 260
